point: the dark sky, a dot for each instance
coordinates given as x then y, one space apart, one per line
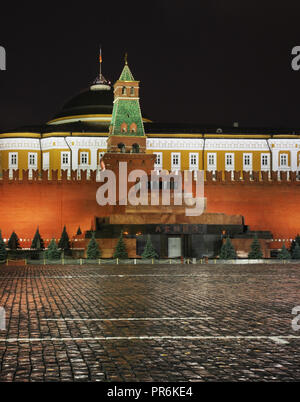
205 61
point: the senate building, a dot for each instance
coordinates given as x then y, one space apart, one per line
76 138
50 173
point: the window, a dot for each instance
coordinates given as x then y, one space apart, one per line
193 161
123 90
124 127
65 158
32 160
247 161
13 160
133 127
211 161
84 158
175 160
132 91
135 148
283 160
121 147
229 161
264 161
159 159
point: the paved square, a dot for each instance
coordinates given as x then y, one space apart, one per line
150 323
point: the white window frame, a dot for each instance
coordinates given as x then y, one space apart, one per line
212 166
247 167
85 164
286 157
62 156
229 166
194 166
12 165
32 165
175 166
262 165
160 164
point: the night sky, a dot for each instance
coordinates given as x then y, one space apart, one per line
207 61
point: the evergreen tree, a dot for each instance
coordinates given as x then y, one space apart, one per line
3 251
52 253
37 241
149 250
120 250
79 232
296 240
296 252
64 242
255 252
283 253
227 251
93 251
13 242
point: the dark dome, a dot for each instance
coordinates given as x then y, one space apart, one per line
88 102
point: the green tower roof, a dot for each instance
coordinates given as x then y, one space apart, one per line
126 74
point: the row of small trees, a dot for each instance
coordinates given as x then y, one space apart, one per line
55 250
38 242
93 251
228 251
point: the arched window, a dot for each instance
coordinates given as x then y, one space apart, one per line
133 128
123 90
132 91
123 127
135 148
121 147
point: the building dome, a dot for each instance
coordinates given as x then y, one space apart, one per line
93 104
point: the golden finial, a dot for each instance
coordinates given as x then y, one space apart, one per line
126 58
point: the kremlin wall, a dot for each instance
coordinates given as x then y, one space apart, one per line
50 204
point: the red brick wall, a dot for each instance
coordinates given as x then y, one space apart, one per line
265 206
51 205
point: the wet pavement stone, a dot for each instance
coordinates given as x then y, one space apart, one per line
53 323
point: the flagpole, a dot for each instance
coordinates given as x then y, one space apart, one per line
100 61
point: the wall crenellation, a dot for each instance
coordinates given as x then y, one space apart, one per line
84 176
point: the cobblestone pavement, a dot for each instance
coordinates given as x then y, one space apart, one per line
149 323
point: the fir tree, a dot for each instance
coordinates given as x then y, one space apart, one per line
227 251
52 253
3 251
255 252
37 241
13 242
79 232
93 251
296 252
120 250
64 242
283 253
296 240
149 250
